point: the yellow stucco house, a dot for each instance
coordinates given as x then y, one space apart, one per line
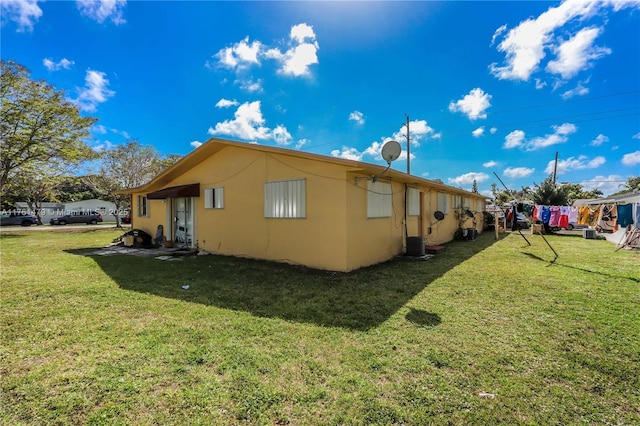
241 199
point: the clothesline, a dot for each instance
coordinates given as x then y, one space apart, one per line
604 217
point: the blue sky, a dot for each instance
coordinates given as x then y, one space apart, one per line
488 86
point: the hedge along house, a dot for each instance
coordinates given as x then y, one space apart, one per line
248 200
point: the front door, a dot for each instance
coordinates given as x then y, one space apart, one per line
183 221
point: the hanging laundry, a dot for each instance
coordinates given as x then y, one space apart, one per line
594 213
538 215
625 214
583 215
545 215
563 222
554 218
607 218
573 215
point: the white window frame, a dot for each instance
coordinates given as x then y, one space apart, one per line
456 201
214 198
413 196
467 203
379 199
143 206
443 202
285 199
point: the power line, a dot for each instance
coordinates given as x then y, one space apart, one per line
440 121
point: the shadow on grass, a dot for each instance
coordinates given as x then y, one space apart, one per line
358 300
423 318
604 274
8 235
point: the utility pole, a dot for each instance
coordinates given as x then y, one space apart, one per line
555 170
408 148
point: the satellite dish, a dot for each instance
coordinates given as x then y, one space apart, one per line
438 215
391 151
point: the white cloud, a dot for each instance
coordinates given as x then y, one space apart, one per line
514 139
474 105
301 143
103 146
577 53
518 172
347 153
579 90
573 163
302 53
419 131
103 10
281 135
25 13
560 135
358 117
631 159
99 129
64 63
226 103
195 144
498 33
636 136
599 140
374 150
239 56
478 132
95 91
596 162
490 164
493 130
526 45
468 178
295 61
540 83
248 124
250 85
606 184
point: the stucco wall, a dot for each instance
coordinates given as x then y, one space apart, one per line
336 233
240 228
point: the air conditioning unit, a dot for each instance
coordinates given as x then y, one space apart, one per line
589 234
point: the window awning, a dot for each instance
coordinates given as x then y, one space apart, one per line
192 190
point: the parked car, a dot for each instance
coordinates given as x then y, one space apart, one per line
18 219
90 218
126 219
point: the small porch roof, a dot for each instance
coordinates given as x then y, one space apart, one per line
191 190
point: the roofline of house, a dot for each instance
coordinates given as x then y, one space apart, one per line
214 145
608 200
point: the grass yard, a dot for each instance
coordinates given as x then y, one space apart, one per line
487 332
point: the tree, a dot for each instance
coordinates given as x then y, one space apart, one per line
474 188
36 185
74 188
547 194
124 167
575 191
37 125
632 185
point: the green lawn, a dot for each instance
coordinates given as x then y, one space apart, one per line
487 332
